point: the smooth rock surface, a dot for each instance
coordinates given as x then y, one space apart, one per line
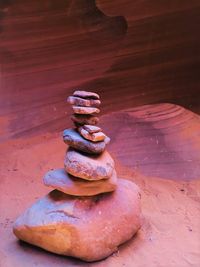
59 179
82 227
73 100
82 119
89 167
72 138
92 128
94 137
85 110
86 94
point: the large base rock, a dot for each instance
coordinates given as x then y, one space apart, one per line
89 228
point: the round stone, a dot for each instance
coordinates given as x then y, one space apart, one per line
59 179
89 228
89 167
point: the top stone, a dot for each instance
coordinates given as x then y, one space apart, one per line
85 94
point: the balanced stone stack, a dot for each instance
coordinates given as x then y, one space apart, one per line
86 158
90 212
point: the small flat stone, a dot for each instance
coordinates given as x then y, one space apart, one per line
80 119
59 179
94 137
85 94
89 167
85 110
72 138
92 128
77 101
89 228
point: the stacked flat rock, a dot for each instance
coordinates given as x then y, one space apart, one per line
90 212
89 167
86 137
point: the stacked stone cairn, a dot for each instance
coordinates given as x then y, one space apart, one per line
90 212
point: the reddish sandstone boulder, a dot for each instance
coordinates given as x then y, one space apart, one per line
89 228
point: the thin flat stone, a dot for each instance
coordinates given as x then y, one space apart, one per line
92 128
59 179
94 137
86 94
82 119
89 167
85 110
72 138
73 100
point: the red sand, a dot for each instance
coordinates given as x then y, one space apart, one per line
170 235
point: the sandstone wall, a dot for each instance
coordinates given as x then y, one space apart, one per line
130 52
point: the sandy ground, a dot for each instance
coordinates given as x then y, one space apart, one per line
170 235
